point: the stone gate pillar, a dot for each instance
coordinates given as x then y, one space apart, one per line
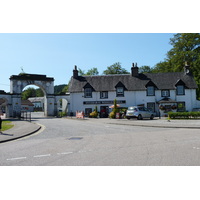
50 105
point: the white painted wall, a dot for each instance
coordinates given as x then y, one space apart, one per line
132 98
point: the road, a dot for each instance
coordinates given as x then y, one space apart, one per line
71 142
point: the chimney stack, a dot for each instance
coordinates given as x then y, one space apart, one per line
134 70
75 72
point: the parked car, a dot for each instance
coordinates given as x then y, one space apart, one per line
139 112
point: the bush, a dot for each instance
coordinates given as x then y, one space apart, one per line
184 115
112 115
62 114
94 114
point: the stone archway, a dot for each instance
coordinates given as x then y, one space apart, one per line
62 104
19 82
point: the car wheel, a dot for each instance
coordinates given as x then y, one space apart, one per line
139 117
128 118
152 116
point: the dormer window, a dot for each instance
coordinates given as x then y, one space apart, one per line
88 93
120 88
150 91
150 88
180 87
180 90
120 91
88 89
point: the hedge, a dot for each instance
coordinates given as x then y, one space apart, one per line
184 115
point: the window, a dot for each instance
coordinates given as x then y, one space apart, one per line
120 92
103 95
150 91
151 107
165 93
180 90
88 92
88 111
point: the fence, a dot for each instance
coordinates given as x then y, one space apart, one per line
26 116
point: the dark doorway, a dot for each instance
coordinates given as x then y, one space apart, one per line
104 111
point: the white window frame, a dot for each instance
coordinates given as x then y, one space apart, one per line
165 93
88 93
104 95
120 91
180 90
150 91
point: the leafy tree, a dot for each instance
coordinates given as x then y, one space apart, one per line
90 72
65 89
185 48
161 67
81 72
58 89
39 92
93 71
116 68
32 92
29 92
145 69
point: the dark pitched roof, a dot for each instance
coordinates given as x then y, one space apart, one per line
26 102
109 82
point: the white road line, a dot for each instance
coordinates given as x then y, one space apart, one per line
82 151
39 156
65 153
196 148
19 158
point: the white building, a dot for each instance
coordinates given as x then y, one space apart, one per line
38 103
160 92
27 106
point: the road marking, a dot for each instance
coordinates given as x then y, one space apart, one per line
19 158
65 153
39 156
82 151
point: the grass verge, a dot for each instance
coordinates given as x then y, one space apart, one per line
6 125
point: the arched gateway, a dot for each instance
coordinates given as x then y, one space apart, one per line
10 103
19 82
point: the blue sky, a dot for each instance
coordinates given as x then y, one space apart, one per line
55 54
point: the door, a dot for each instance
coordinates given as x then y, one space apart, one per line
104 110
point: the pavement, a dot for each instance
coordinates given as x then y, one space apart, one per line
24 128
156 122
20 129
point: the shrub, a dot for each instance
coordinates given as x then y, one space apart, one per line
184 115
94 114
62 114
112 115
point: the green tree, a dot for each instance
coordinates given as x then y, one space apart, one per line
29 92
145 69
60 89
185 48
116 68
65 89
90 72
81 72
93 71
39 92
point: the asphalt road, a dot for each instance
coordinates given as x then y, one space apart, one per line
69 142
